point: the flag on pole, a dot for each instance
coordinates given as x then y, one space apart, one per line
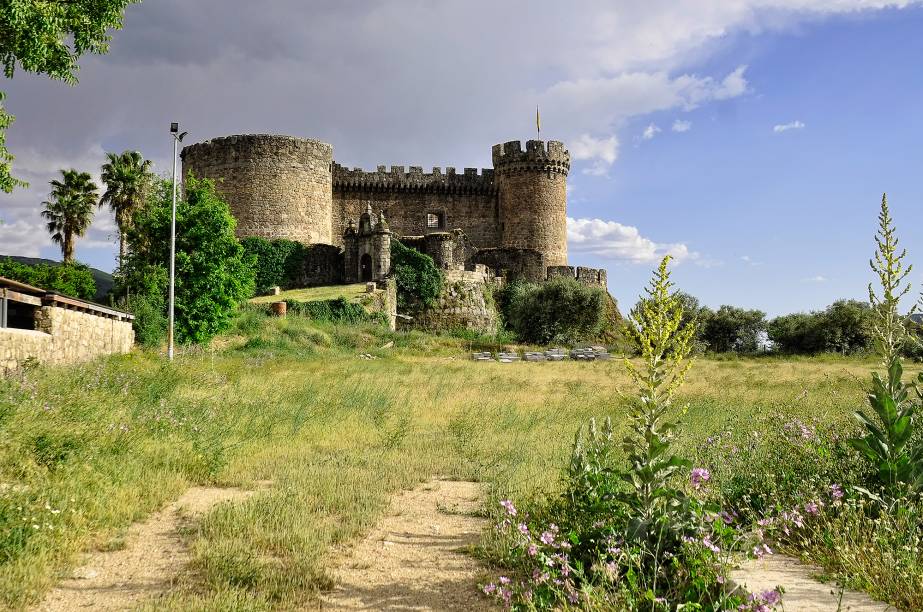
538 123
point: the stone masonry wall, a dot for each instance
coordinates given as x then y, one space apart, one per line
463 304
276 186
466 201
64 336
596 277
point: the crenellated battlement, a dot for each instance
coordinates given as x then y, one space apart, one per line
538 155
414 179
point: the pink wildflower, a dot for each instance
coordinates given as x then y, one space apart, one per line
698 477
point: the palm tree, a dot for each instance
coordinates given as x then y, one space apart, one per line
126 177
69 209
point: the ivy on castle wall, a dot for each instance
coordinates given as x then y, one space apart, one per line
419 281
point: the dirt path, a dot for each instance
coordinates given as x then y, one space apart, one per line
148 564
802 592
412 560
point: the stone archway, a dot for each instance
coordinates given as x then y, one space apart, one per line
365 268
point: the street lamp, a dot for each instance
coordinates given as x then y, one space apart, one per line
177 138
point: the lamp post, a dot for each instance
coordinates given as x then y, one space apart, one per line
177 138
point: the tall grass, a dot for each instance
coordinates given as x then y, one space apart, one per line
87 450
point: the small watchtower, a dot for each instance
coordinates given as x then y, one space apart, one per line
367 249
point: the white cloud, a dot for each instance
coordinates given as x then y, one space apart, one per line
681 126
815 279
650 131
612 240
784 127
588 147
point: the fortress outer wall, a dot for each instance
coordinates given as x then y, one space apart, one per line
277 186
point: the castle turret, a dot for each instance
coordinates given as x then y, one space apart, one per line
276 186
533 197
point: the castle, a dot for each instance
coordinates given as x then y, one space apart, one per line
510 219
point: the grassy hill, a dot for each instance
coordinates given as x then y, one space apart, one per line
104 280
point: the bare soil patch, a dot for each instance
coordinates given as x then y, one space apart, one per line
802 591
417 556
148 564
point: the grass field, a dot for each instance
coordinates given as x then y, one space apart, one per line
86 450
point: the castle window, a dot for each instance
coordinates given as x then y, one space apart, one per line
435 220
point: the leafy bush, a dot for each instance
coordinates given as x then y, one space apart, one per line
276 261
562 310
73 279
419 281
733 329
339 310
213 273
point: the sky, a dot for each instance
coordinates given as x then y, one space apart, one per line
750 139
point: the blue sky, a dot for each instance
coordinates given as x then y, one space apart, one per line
752 139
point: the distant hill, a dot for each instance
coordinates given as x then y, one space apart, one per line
917 317
104 280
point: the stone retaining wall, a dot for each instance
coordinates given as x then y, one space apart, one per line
64 336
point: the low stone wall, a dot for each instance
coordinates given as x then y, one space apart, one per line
512 263
322 266
64 336
595 277
463 304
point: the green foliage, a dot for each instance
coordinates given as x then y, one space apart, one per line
213 274
656 327
277 261
69 209
887 441
562 310
733 329
127 178
49 38
419 281
845 327
73 279
339 310
150 322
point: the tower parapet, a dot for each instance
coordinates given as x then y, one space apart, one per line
532 186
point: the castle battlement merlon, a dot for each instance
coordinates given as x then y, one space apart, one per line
538 154
414 179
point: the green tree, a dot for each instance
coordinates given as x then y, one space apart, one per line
419 281
213 273
127 177
48 37
562 310
69 209
734 329
796 334
75 279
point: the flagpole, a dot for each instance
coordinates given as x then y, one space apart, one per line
538 123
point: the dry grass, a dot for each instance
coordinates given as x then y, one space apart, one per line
290 402
354 293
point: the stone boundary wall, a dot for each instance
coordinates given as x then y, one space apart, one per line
64 336
513 263
323 264
596 277
463 304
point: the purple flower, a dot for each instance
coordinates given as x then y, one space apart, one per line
699 476
504 580
547 538
510 508
835 491
812 508
523 529
489 589
532 550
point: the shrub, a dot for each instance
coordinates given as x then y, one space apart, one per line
561 310
73 279
277 262
419 281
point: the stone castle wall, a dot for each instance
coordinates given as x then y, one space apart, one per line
464 304
596 277
276 186
466 201
64 336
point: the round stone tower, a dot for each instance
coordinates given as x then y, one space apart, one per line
276 186
533 197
